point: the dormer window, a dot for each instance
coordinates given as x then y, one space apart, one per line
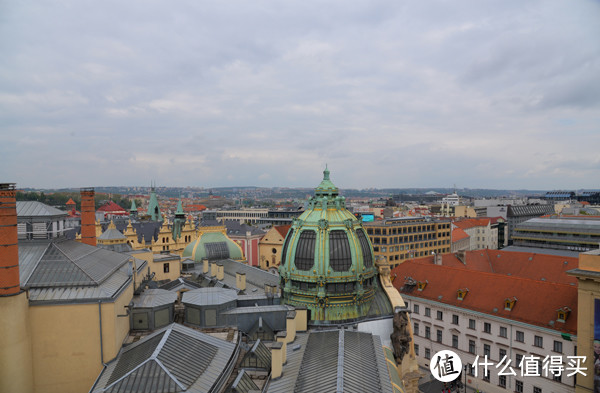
509 303
421 285
461 293
563 314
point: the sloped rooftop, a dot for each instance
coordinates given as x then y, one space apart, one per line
37 209
173 359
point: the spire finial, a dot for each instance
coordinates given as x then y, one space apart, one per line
326 173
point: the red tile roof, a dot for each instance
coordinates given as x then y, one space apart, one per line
471 222
70 202
283 230
543 267
111 207
540 285
458 234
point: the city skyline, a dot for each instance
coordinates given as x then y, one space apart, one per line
389 95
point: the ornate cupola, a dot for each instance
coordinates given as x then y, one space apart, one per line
327 260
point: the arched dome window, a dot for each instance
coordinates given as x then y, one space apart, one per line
305 250
340 257
285 246
365 248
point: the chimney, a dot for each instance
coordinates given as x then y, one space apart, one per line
220 272
301 318
437 259
88 217
10 283
290 326
276 360
240 281
213 269
281 337
205 266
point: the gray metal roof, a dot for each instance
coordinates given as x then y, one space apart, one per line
561 224
259 356
243 383
537 250
255 309
112 234
152 298
69 263
173 359
209 296
180 283
37 209
330 361
256 278
66 270
529 210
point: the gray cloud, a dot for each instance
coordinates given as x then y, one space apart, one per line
499 95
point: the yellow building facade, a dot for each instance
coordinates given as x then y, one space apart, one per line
269 247
588 319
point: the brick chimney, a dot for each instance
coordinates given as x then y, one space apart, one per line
10 283
88 217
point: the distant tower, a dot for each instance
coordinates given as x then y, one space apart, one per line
133 209
88 217
153 208
179 221
16 366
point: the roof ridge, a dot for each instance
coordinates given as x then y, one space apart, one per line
75 263
495 274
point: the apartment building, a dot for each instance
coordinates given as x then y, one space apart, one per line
399 239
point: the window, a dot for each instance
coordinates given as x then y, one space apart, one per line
427 353
454 341
427 332
501 353
416 308
439 336
557 377
502 381
503 332
305 250
440 316
364 246
416 329
537 390
518 386
472 346
487 327
417 349
487 350
538 341
455 319
165 267
427 312
558 346
471 324
340 258
520 337
519 359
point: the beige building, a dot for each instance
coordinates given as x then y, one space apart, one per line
64 304
269 247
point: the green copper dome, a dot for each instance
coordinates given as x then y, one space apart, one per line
327 260
214 245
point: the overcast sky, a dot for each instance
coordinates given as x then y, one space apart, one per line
481 94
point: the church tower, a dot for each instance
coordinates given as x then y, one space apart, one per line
153 208
178 221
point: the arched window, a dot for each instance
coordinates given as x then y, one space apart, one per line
305 250
340 257
285 246
365 247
